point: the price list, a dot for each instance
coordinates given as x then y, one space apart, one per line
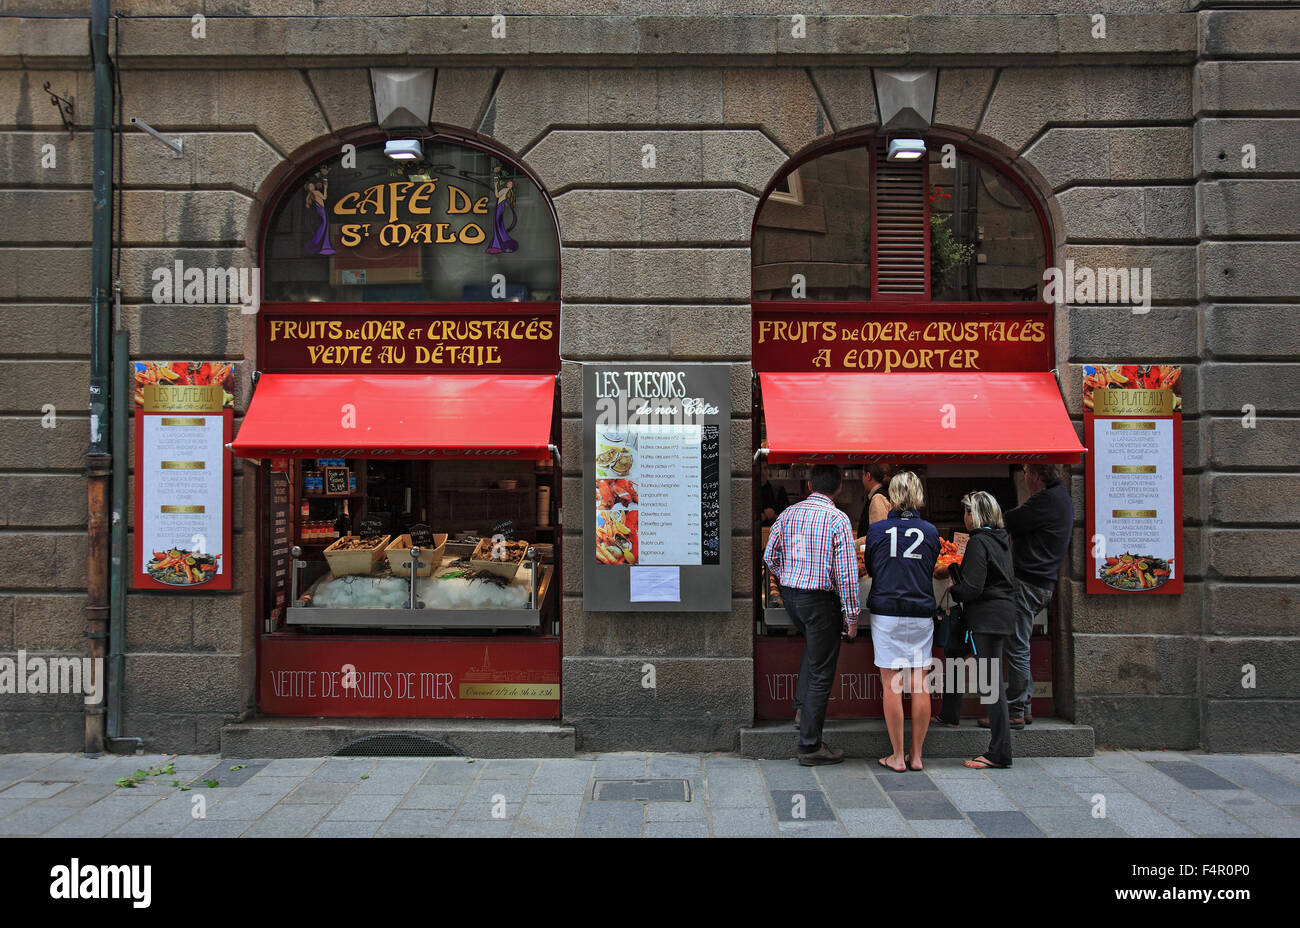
710 497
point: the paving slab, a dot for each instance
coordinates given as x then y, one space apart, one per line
917 805
296 821
676 830
336 829
694 811
434 797
1140 820
743 823
830 829
874 823
1004 824
976 796
313 791
1193 775
33 820
613 819
364 808
801 805
447 772
415 823
948 828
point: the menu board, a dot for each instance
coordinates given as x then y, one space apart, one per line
184 419
656 498
1133 429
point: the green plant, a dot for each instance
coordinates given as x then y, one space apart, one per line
946 253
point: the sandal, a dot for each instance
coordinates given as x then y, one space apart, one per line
907 759
983 763
882 763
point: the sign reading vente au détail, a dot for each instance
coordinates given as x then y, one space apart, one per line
410 341
1133 430
657 517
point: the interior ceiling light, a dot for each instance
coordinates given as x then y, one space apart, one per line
906 149
404 149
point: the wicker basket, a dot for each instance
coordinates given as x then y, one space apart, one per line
507 569
399 553
346 563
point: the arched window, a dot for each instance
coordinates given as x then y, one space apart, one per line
847 225
458 224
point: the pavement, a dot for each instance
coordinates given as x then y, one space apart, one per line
1112 794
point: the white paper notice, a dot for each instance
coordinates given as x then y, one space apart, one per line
655 584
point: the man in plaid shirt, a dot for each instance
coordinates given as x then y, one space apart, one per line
810 552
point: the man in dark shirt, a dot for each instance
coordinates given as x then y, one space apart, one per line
774 499
1040 535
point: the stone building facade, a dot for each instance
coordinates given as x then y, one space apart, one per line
1169 143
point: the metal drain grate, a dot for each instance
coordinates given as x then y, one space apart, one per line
397 744
659 789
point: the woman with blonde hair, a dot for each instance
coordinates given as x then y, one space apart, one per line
901 551
983 583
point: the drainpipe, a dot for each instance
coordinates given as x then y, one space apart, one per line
99 459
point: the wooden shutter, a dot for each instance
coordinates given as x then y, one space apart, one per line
901 217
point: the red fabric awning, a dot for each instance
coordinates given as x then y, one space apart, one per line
898 416
399 416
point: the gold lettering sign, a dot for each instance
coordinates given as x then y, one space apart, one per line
165 398
1132 513
1132 402
184 510
1132 468
510 691
183 465
190 422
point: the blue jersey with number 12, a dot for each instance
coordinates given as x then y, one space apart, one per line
901 553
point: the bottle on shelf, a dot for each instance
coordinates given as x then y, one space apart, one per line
343 524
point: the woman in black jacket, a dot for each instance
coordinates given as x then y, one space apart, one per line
983 584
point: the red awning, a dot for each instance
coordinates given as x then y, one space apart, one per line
940 416
399 416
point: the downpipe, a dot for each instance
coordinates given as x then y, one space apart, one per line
99 459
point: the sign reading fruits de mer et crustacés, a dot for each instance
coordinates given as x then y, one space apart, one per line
793 337
521 337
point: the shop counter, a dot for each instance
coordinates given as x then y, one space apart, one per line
429 618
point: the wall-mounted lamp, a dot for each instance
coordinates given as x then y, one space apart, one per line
404 149
906 149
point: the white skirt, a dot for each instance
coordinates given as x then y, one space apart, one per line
901 640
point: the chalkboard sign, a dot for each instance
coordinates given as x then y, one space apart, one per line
421 536
374 526
505 527
336 481
710 504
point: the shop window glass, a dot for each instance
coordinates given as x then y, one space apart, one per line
986 242
816 223
465 226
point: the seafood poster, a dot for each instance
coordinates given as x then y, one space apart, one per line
184 419
656 495
1133 430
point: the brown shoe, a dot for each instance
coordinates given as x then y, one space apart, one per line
1016 721
823 755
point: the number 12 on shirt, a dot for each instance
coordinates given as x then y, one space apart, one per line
893 542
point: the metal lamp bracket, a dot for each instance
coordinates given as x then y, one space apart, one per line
176 145
64 106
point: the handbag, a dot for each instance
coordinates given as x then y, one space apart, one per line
950 631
